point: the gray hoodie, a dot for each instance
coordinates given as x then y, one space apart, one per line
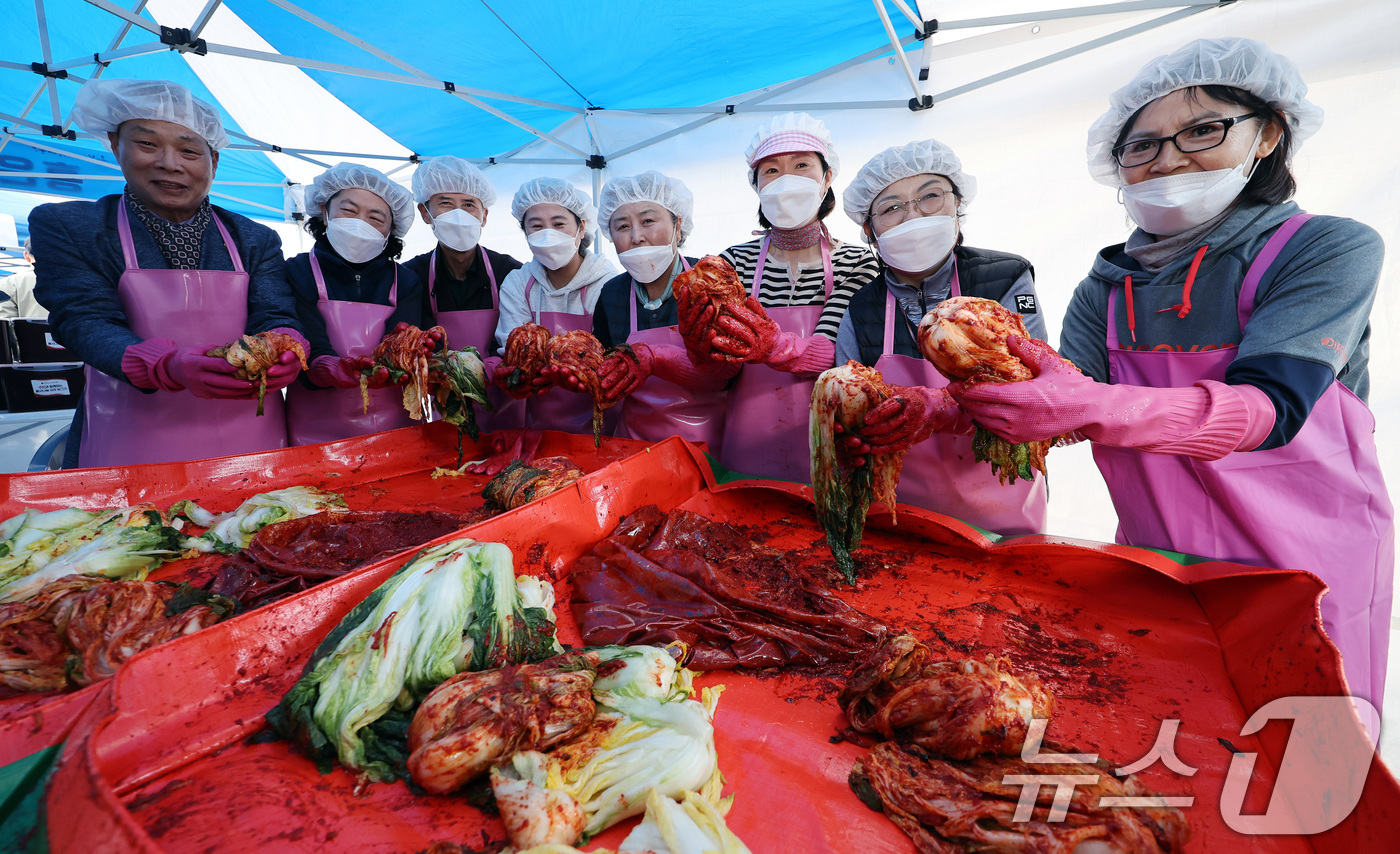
1313 304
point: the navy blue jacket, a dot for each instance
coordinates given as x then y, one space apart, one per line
369 282
78 261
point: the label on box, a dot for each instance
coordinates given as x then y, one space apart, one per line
50 343
50 388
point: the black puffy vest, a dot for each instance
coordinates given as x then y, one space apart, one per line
981 273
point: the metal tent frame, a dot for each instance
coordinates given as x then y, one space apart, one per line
547 148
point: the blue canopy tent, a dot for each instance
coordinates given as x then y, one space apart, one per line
492 81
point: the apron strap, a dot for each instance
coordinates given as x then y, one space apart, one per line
1263 261
891 310
955 289
490 276
1111 337
530 286
394 288
124 232
228 243
320 279
829 279
432 278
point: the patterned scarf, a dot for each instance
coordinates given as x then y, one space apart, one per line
179 242
791 240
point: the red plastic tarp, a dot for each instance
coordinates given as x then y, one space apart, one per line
384 471
1125 638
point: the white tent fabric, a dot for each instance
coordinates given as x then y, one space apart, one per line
1023 137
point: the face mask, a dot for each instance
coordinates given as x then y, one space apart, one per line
648 263
789 201
1175 203
457 230
355 240
552 248
918 244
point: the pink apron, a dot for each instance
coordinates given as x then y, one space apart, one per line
557 409
765 429
195 308
478 329
940 474
327 414
1318 503
659 409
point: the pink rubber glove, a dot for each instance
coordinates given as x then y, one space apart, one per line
331 372
913 415
562 377
506 447
1206 421
672 364
797 355
205 376
745 332
145 364
500 373
280 375
619 376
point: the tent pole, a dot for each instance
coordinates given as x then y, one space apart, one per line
1073 51
202 20
33 99
116 41
129 17
398 63
898 50
1075 12
52 84
909 13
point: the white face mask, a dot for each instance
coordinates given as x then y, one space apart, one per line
354 239
457 229
918 244
646 264
789 201
552 247
1175 203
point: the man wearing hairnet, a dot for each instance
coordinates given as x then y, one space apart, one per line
351 292
461 277
142 283
1222 352
909 201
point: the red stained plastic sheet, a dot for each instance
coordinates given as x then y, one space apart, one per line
1124 637
384 471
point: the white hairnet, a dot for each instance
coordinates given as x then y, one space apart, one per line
448 174
920 157
345 176
788 133
553 191
649 186
102 106
1241 63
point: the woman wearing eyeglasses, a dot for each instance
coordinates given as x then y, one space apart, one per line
1224 347
909 201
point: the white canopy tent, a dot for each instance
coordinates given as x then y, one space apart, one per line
1011 85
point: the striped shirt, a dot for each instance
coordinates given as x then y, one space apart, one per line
852 267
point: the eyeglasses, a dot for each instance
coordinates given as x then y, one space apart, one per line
1201 137
893 213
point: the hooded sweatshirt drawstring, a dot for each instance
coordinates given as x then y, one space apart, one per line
1182 308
